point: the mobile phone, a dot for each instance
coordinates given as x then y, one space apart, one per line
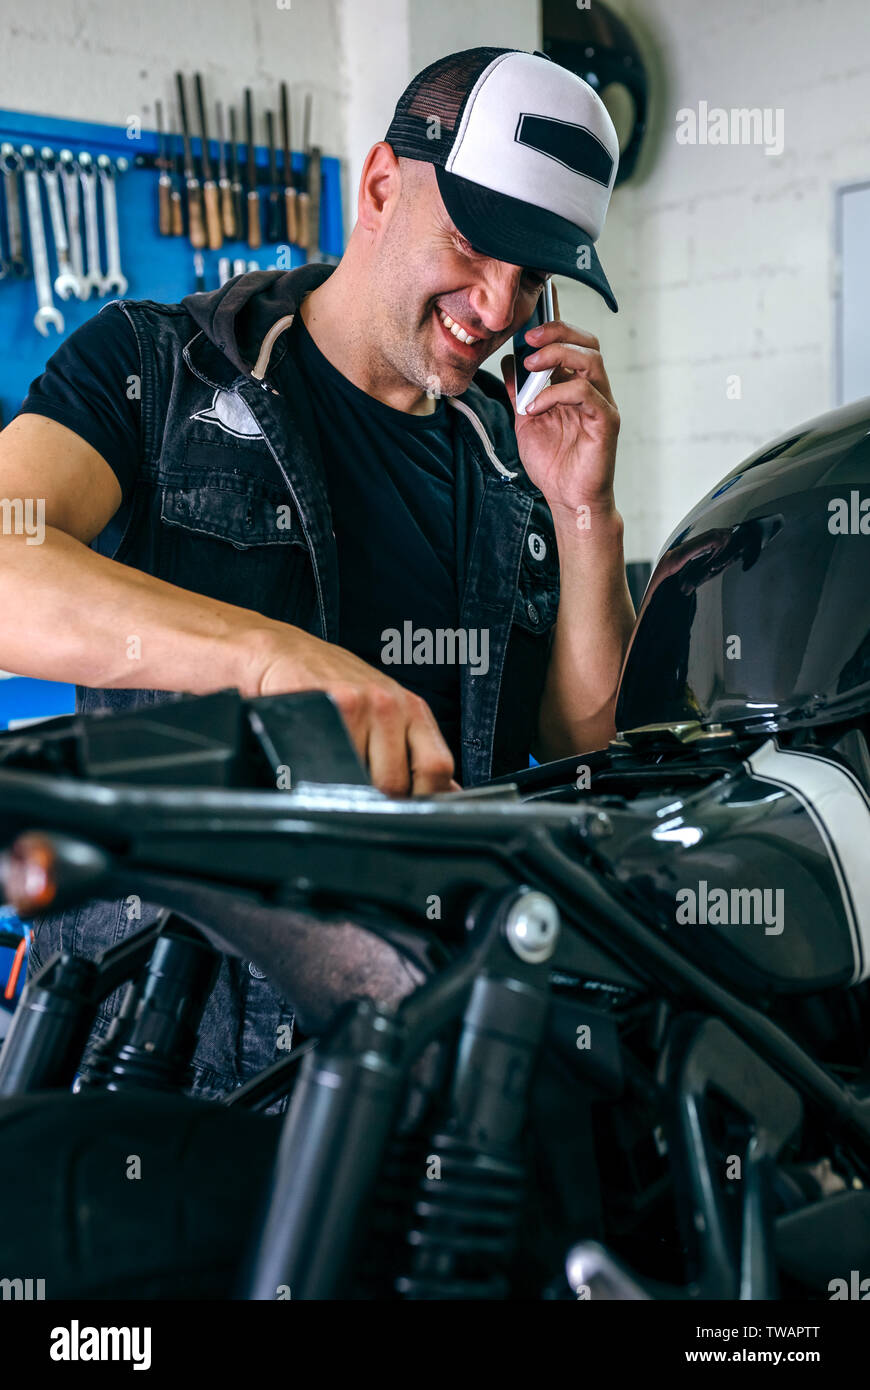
531 384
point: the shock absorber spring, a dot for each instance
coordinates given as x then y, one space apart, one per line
465 1220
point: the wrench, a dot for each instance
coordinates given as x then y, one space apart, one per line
93 280
46 313
10 162
69 179
114 277
66 283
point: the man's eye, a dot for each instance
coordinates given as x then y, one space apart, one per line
535 278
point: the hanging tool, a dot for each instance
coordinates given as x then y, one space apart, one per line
10 162
274 218
93 279
314 185
228 212
289 187
209 187
176 214
195 222
164 182
47 313
67 283
303 200
310 200
199 271
70 181
254 237
236 178
114 278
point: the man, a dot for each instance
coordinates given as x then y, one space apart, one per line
312 485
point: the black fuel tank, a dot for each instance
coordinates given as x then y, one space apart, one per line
757 614
761 875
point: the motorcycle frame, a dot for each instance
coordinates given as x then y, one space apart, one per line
343 843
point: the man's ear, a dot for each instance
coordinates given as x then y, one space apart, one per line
379 186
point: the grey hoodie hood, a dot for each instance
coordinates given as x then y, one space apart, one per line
238 317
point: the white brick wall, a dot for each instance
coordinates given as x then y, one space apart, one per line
722 257
102 60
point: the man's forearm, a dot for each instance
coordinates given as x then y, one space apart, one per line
70 614
595 621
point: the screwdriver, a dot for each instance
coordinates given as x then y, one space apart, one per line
164 182
254 238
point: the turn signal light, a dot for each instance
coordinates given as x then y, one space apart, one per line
28 874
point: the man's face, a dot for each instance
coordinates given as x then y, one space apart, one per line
436 293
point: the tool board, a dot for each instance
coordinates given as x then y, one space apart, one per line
156 267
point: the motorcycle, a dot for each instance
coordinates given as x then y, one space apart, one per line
597 1030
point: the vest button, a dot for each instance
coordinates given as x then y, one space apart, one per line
255 972
537 546
534 615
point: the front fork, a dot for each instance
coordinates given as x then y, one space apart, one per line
346 1105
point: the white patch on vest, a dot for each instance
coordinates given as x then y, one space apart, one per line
230 413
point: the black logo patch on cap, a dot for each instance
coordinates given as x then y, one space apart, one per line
572 145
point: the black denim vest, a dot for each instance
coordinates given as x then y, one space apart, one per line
220 452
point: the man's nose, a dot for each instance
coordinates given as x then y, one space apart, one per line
494 297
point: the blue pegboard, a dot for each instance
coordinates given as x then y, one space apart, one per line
22 697
157 267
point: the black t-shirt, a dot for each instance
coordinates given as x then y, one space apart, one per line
390 479
91 385
391 484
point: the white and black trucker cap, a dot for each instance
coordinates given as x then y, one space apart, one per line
525 155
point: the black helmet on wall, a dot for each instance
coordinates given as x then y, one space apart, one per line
598 45
757 614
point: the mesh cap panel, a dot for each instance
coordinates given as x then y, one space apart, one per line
439 91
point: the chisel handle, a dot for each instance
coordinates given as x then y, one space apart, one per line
176 216
254 239
315 189
195 223
228 212
212 215
303 218
290 211
164 209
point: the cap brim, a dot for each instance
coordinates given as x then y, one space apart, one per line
509 229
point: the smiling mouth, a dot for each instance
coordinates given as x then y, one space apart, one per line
466 342
456 329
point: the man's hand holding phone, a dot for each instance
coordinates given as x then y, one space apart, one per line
567 432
